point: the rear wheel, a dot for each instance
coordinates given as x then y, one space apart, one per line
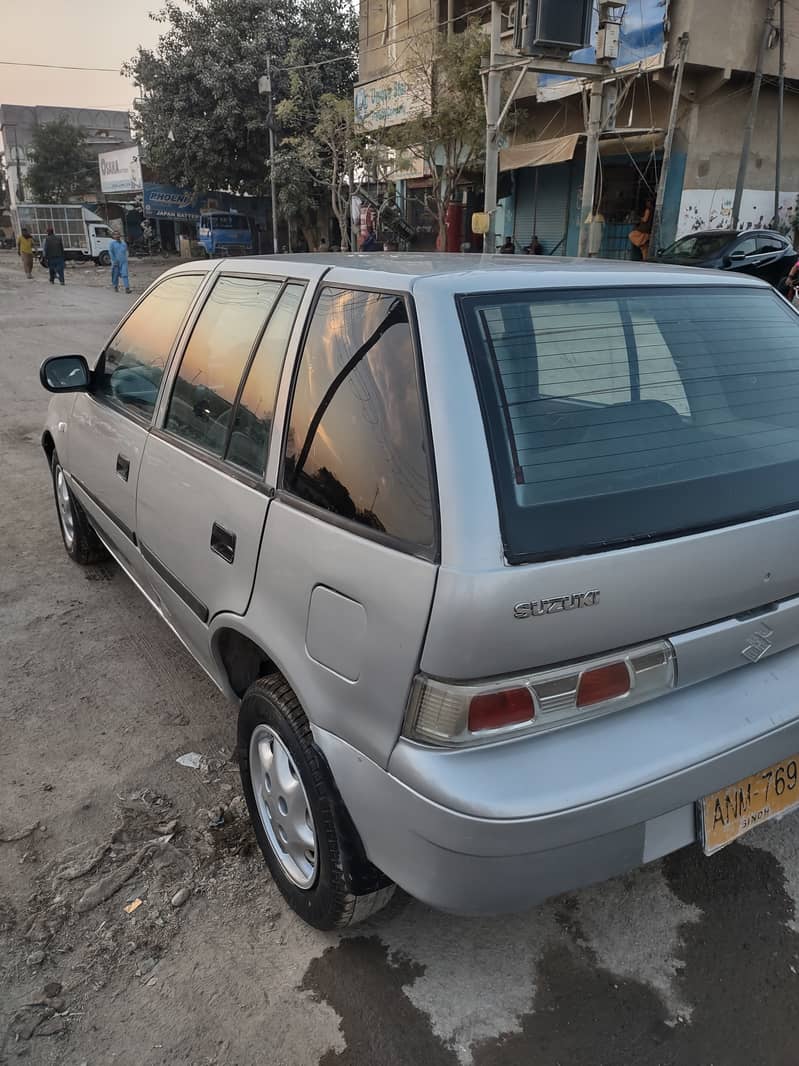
81 542
302 826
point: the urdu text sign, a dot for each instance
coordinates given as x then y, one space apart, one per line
391 101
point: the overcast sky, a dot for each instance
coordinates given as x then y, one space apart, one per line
89 33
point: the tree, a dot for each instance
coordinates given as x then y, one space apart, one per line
200 117
62 167
330 154
444 73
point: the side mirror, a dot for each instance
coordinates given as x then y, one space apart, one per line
65 373
660 252
736 257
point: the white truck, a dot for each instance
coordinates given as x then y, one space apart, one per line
85 234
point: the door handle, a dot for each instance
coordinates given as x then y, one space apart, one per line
123 467
223 543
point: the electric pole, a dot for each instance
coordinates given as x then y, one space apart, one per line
265 89
746 146
780 115
592 133
493 89
679 69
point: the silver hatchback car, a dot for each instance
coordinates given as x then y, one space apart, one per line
497 560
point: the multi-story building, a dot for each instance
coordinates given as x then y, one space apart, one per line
104 131
541 163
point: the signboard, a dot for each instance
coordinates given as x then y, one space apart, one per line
171 202
407 165
120 171
642 45
392 100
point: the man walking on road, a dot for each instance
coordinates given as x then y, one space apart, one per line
25 252
118 250
54 255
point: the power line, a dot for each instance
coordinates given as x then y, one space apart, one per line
59 66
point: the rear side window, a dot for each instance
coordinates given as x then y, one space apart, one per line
252 421
133 362
202 399
621 416
357 442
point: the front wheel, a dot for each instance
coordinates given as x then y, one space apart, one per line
81 542
104 259
300 821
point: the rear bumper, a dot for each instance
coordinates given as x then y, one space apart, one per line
501 828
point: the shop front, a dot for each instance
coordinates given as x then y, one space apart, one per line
544 183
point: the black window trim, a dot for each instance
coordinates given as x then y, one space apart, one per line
228 466
127 412
496 445
430 553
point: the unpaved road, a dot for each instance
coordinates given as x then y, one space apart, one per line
690 962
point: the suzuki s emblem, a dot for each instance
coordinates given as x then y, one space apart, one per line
759 644
535 608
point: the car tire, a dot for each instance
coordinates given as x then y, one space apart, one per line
104 259
82 544
315 855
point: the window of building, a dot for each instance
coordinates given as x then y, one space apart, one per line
220 344
134 361
357 444
252 422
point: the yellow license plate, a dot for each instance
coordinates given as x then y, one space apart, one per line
733 811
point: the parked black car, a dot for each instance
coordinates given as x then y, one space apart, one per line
761 252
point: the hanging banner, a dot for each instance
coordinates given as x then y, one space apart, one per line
642 47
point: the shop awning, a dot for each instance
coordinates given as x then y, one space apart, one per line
539 153
562 149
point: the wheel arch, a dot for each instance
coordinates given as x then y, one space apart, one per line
48 444
240 659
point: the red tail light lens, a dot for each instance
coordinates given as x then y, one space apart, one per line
604 683
495 709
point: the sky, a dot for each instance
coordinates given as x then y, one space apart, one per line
89 33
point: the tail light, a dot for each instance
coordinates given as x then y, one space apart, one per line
452 714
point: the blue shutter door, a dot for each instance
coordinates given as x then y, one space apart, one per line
542 207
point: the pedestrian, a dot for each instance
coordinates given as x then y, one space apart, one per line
370 242
53 252
640 236
323 245
118 250
534 247
25 252
508 247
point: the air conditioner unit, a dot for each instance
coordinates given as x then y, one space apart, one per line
557 27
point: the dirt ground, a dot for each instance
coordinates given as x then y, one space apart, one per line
139 927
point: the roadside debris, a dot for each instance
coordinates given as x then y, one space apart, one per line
134 906
192 759
181 896
8 837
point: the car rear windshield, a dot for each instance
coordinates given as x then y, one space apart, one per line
621 416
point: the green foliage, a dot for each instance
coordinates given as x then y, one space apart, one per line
62 167
451 140
201 118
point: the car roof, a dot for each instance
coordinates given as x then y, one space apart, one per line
470 272
721 230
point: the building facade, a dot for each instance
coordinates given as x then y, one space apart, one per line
104 131
542 159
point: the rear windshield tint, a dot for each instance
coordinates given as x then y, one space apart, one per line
620 416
